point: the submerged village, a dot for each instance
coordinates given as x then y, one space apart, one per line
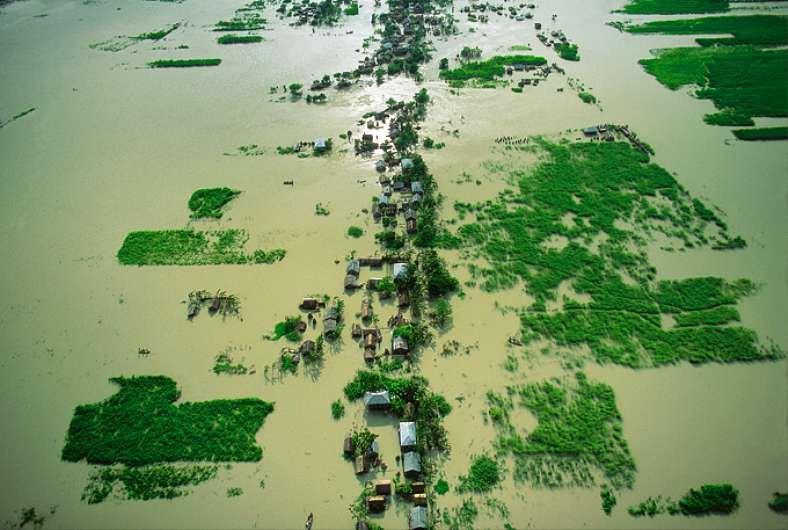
402 264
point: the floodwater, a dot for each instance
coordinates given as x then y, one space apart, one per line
115 147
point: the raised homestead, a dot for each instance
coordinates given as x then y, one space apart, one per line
407 435
411 464
377 400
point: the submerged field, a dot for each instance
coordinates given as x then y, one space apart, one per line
583 322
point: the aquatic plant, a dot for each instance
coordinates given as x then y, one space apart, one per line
208 202
608 499
761 134
145 482
140 425
674 7
490 69
239 39
483 475
337 409
355 231
191 247
183 63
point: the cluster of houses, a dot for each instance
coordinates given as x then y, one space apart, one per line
513 12
383 489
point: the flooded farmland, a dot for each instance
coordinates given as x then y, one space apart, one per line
114 147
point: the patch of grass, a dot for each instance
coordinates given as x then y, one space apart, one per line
208 202
779 502
577 421
567 51
337 409
483 475
239 39
428 410
741 81
520 48
183 63
158 35
605 191
191 247
761 134
355 231
141 425
490 69
674 7
608 499
710 498
145 482
757 30
288 328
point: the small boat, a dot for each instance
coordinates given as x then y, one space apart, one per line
309 520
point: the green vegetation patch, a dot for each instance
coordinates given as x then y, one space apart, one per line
483 475
674 7
355 231
239 39
223 364
427 411
720 499
578 422
779 502
604 200
184 63
191 247
490 69
145 482
141 425
567 51
761 134
741 81
158 35
587 97
758 30
208 202
608 499
337 409
290 328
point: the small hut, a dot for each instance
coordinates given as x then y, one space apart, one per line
382 487
329 325
308 304
417 519
366 309
347 446
369 355
376 503
398 185
590 131
415 187
372 283
380 400
355 331
419 499
411 464
360 465
321 145
362 525
399 346
400 271
351 281
307 348
410 225
406 164
403 299
407 435
380 165
418 487
353 267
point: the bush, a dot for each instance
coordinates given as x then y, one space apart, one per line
355 231
337 409
483 475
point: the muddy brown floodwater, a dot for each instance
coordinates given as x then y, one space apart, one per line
115 147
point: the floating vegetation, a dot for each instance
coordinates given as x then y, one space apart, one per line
140 425
145 482
741 81
674 7
779 502
220 303
490 69
183 63
223 364
191 247
579 424
483 475
567 51
720 499
16 117
762 134
337 409
757 30
608 499
426 408
239 39
208 202
158 35
608 192
355 231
